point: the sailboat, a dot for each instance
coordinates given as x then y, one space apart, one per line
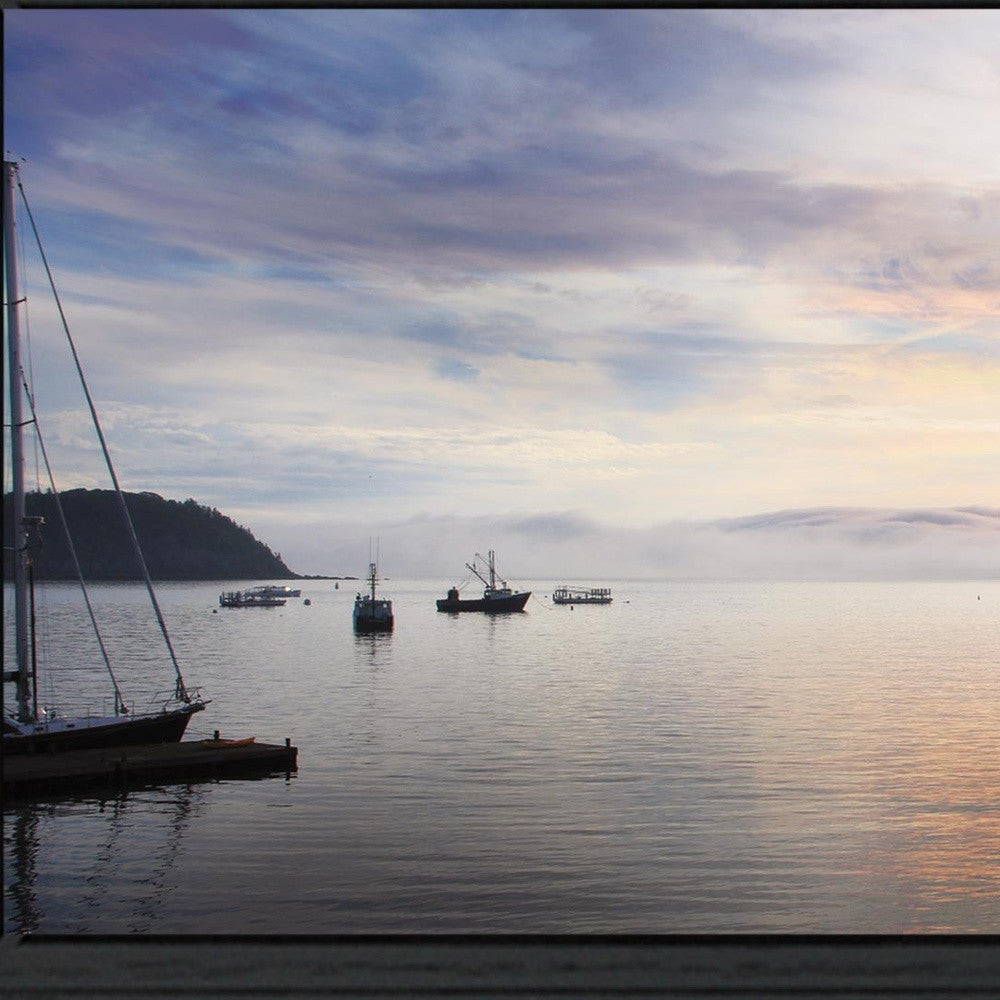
371 613
495 599
30 726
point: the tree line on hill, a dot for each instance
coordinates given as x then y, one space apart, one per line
179 540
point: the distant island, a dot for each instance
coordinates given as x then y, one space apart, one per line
179 540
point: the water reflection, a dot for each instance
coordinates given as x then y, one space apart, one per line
125 852
373 643
24 847
176 811
373 653
709 759
104 867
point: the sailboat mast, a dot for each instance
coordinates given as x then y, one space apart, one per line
18 529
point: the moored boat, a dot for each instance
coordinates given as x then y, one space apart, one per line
275 590
371 613
49 731
495 599
576 595
248 599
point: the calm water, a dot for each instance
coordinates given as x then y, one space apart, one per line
694 757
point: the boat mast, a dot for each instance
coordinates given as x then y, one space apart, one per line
18 528
476 571
372 563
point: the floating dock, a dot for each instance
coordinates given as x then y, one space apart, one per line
132 766
576 595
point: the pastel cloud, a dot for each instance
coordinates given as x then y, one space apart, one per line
679 263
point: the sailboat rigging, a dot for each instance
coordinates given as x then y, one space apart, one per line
31 727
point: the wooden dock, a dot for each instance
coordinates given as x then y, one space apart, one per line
132 766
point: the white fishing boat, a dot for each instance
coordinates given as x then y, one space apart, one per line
29 725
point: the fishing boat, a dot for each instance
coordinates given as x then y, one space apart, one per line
249 599
571 595
371 613
31 726
495 599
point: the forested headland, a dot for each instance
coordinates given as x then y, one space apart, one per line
180 540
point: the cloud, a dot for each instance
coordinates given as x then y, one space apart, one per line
864 526
665 264
554 527
558 191
457 371
820 545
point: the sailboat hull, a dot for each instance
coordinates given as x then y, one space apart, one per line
85 734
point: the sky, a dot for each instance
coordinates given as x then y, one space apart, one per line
655 293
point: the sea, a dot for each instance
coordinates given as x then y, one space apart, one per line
695 757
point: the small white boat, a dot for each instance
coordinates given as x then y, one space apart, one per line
274 590
248 599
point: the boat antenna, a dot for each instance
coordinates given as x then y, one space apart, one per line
181 691
372 567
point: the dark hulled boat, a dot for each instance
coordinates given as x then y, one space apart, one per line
371 613
495 600
51 732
